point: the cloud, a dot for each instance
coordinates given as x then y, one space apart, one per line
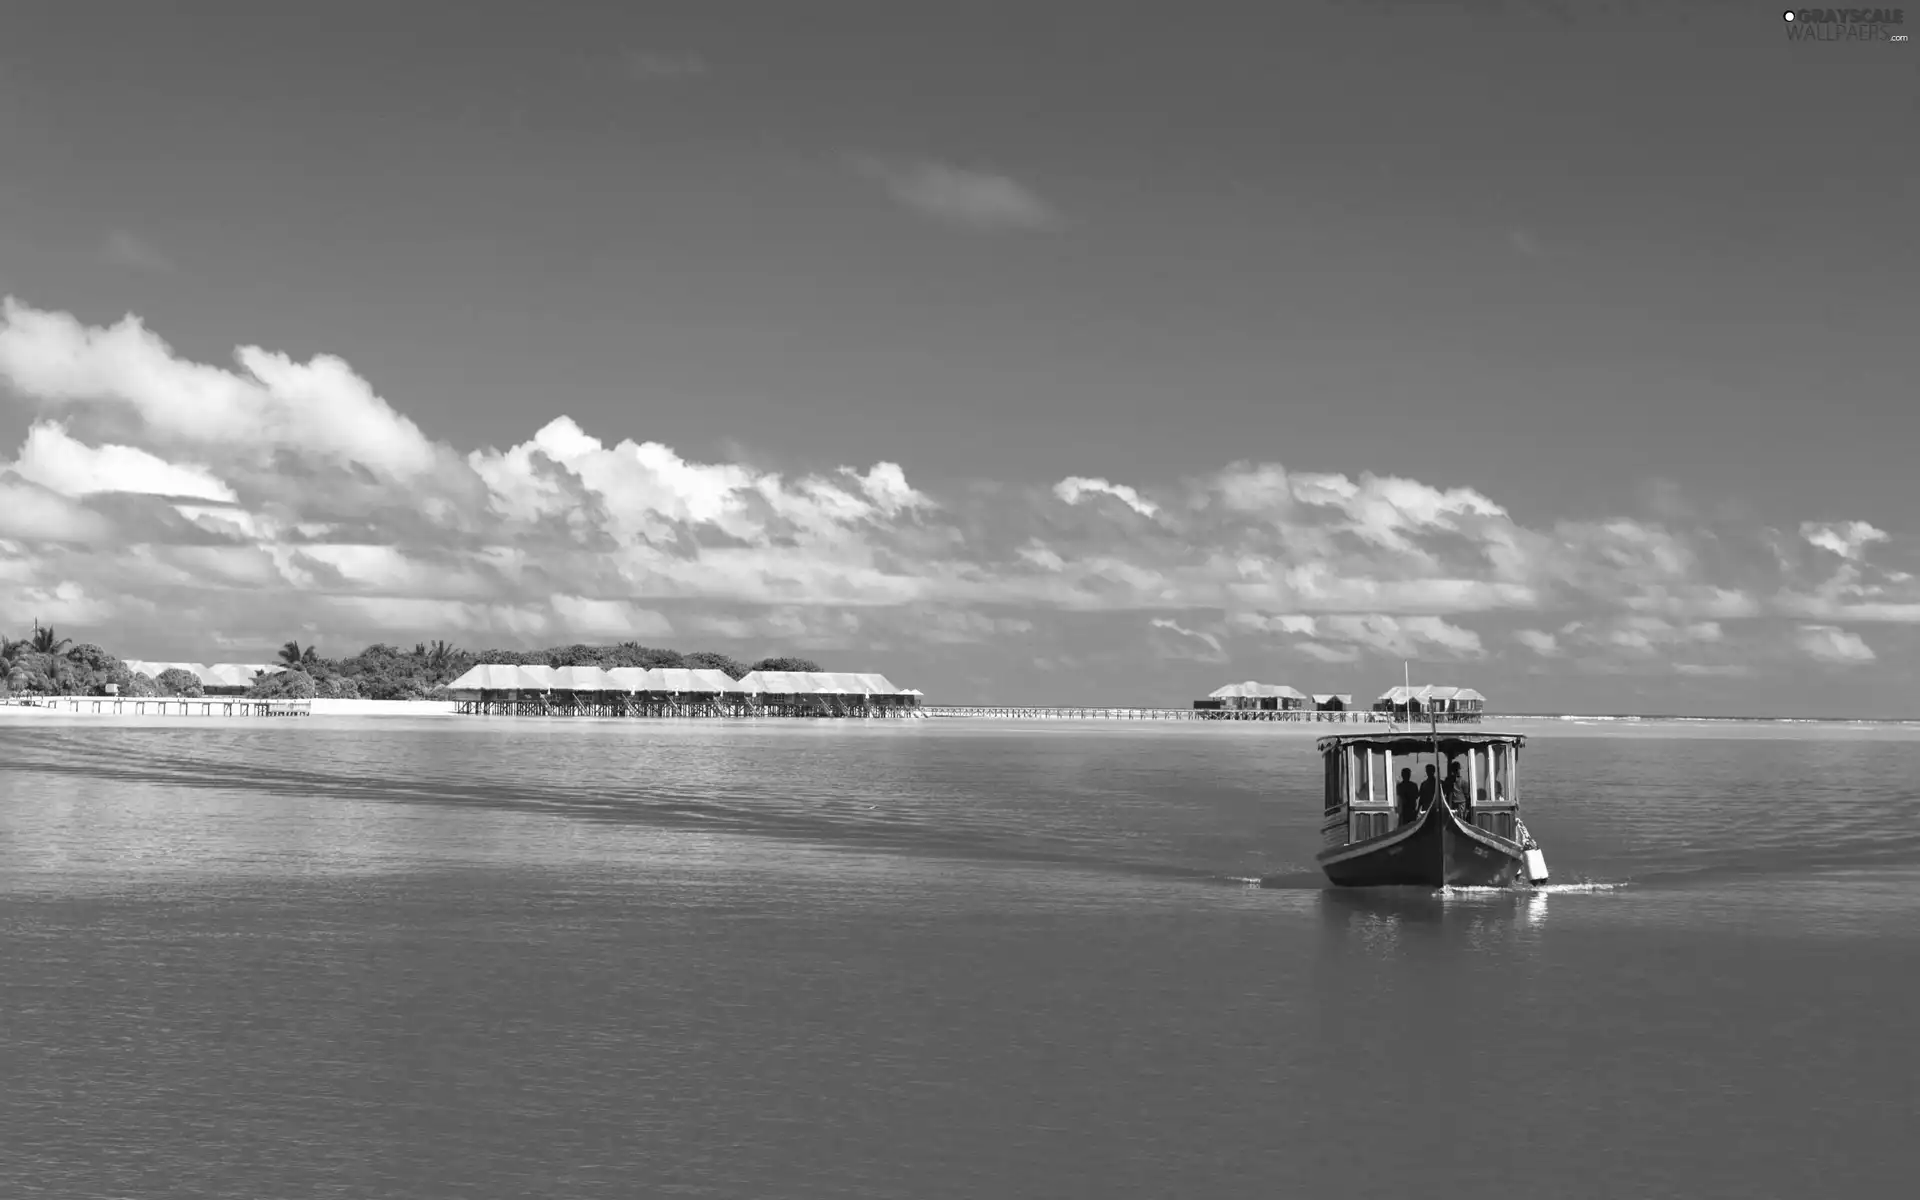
1714 670
1216 652
34 513
170 500
972 199
1538 641
1346 637
122 249
319 408
1073 488
1849 540
1861 587
59 463
1831 644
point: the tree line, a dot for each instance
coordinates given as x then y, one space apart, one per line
46 664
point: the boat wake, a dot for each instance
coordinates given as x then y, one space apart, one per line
1579 886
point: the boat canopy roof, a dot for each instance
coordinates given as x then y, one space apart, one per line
1409 742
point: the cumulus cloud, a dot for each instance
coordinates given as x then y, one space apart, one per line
1860 587
1832 644
1849 540
61 464
972 199
272 403
240 502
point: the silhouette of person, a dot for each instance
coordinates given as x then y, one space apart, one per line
1406 794
1428 787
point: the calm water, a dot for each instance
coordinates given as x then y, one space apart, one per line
368 959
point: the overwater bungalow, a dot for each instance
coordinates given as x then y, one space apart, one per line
1432 702
508 690
1332 701
828 694
1271 697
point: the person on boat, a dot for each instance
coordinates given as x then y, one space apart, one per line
1454 787
1406 794
1429 787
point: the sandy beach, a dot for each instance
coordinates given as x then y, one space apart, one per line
320 708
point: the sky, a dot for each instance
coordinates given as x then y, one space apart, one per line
1069 353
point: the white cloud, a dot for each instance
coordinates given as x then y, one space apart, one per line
271 523
620 619
1849 540
1341 637
1832 644
1538 641
67 604
1074 488
1856 589
1172 626
1714 670
33 513
974 199
58 462
273 404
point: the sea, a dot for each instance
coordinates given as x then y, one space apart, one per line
341 957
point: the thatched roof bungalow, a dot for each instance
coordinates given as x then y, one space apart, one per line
821 687
1253 695
785 688
1431 699
498 677
1332 701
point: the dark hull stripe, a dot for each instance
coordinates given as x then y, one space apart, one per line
1437 850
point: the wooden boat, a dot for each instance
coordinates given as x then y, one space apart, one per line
1370 840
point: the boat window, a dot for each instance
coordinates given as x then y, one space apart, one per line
1333 782
1369 824
1500 824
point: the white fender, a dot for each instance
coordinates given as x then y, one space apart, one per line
1536 865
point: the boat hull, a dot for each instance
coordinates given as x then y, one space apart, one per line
1437 850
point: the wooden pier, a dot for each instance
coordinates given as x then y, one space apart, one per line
171 706
1027 712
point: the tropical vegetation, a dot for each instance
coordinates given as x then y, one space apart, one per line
44 663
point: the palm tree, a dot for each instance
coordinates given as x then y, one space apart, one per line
440 653
13 661
292 655
45 643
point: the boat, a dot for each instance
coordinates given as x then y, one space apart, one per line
1475 840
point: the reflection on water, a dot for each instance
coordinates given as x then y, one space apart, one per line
507 959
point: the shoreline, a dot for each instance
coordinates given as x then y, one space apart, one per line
1533 724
